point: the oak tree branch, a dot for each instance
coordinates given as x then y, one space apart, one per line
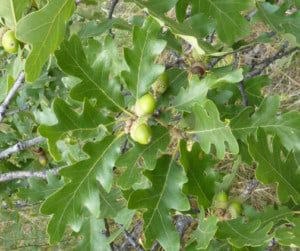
20 146
27 174
12 92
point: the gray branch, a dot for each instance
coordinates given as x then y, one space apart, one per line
27 174
12 92
20 146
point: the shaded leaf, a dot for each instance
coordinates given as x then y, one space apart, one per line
165 194
289 235
275 165
271 214
241 234
39 189
277 19
201 182
286 126
185 31
92 29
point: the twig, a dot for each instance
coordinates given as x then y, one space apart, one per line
107 234
111 12
267 62
249 188
155 246
251 14
112 8
20 146
244 93
263 65
132 241
28 174
4 106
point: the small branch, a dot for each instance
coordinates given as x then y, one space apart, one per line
20 146
132 241
12 92
28 174
263 65
107 234
155 246
267 62
249 189
244 93
112 8
111 12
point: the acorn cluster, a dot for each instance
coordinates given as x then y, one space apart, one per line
144 108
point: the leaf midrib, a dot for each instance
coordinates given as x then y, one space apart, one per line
156 208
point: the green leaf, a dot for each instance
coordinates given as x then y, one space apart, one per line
241 234
111 203
93 29
278 20
66 205
253 88
208 129
72 60
142 156
231 25
71 124
197 90
201 182
165 194
162 6
270 214
12 11
39 189
184 31
289 235
143 70
177 80
44 30
275 165
93 239
181 8
285 126
205 232
124 219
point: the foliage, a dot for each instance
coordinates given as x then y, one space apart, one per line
83 84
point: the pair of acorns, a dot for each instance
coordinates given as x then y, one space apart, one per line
140 131
144 107
234 207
